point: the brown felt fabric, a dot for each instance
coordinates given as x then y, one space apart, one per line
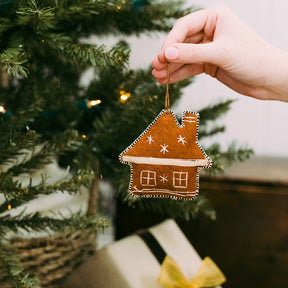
166 139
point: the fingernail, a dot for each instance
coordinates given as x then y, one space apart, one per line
171 53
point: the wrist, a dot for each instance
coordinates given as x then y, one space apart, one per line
277 76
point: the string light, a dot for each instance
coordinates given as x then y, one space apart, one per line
2 110
84 136
9 207
93 103
120 7
86 104
5 113
124 96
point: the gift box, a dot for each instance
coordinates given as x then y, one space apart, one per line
135 261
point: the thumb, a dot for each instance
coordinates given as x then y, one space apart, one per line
193 53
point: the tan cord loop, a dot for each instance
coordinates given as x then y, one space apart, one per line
167 99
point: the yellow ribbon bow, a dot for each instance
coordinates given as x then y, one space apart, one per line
208 275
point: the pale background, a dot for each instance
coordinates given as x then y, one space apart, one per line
262 125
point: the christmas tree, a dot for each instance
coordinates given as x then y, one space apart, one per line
48 115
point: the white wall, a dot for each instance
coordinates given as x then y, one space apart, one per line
262 125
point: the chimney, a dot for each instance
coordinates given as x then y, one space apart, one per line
190 122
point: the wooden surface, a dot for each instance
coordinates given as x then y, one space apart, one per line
249 239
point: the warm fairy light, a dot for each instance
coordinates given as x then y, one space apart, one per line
101 176
93 103
119 7
84 136
124 96
9 207
2 110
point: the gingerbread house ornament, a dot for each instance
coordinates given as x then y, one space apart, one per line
166 158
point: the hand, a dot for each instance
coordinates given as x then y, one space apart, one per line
215 41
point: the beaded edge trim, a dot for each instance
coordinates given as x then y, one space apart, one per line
180 126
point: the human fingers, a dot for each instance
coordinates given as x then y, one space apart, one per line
162 73
196 38
160 64
184 72
187 26
203 57
183 31
160 61
180 54
195 53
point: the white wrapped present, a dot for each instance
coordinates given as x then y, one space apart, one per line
132 263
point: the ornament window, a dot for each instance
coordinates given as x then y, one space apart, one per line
180 179
148 178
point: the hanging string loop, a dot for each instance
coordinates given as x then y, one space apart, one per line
167 98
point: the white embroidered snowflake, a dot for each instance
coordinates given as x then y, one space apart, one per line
164 148
150 139
164 178
181 139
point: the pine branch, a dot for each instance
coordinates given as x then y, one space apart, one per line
85 53
40 19
12 60
67 12
126 17
162 14
236 154
20 120
5 25
62 144
16 195
37 161
68 141
204 132
11 188
97 56
213 112
18 145
180 209
14 270
37 223
224 159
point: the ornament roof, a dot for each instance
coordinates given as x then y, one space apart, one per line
165 139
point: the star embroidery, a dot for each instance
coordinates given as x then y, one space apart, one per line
164 178
181 139
164 148
150 139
